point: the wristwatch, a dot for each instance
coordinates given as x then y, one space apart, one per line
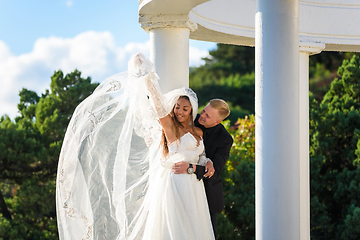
190 169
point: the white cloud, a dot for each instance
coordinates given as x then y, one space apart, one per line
196 55
95 54
4 52
69 3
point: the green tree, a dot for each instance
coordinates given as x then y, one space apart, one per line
323 69
228 74
228 60
237 221
238 91
335 157
29 152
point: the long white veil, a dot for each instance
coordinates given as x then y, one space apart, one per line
105 163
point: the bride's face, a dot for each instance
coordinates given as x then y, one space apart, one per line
182 110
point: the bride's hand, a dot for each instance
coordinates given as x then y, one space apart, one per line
138 60
140 65
181 167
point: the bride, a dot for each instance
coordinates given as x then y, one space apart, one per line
115 178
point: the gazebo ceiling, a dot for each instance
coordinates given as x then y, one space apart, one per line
334 23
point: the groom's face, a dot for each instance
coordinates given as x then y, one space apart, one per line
209 117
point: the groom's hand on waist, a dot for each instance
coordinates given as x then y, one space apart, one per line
181 167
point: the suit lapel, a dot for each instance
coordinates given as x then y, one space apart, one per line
212 141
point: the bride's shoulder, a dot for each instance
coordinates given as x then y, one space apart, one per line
198 131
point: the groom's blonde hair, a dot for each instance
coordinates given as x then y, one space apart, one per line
221 106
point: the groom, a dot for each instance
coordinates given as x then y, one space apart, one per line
217 143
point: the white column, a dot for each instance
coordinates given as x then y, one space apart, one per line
277 120
304 147
169 49
306 49
170 53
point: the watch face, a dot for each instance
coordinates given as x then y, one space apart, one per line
190 170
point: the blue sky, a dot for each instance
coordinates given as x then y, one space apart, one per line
38 37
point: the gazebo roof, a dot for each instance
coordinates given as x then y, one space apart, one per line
331 23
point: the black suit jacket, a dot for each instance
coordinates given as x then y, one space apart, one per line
217 143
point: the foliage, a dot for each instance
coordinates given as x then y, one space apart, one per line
238 219
226 60
320 80
29 151
335 155
238 91
323 69
228 74
33 212
330 60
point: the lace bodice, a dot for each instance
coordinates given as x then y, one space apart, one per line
186 149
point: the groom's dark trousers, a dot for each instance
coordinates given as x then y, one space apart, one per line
217 143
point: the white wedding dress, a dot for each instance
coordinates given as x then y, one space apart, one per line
111 185
180 210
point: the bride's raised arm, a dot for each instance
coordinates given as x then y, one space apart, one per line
155 94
